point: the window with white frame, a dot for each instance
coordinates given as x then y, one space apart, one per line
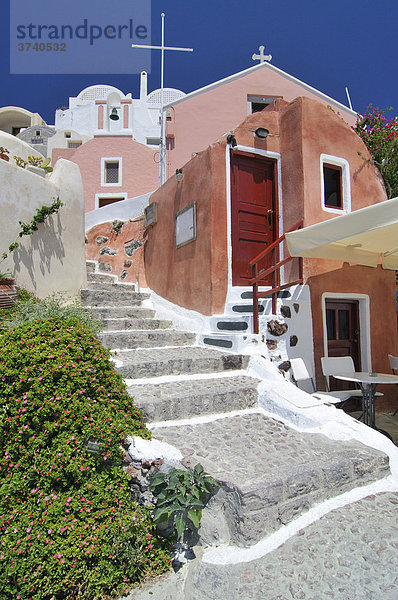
335 184
102 199
258 103
111 171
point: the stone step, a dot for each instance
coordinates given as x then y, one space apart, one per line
184 399
112 297
120 312
101 278
178 361
90 266
341 556
125 324
270 473
109 286
146 338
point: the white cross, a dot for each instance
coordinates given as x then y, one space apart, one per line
262 57
162 153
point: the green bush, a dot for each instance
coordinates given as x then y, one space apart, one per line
69 528
380 136
30 309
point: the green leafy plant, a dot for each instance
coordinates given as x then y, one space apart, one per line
35 161
6 275
180 496
380 136
4 154
40 216
69 529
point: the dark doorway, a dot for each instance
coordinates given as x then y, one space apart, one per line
343 334
253 213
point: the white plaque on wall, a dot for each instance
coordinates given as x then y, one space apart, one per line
151 214
185 225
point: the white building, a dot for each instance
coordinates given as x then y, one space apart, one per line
105 110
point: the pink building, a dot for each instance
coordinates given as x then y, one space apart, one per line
197 119
121 160
113 168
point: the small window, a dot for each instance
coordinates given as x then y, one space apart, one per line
74 144
335 190
153 141
258 103
332 182
112 172
105 201
258 106
37 132
67 134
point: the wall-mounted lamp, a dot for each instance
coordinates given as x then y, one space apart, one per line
231 140
179 175
114 116
261 133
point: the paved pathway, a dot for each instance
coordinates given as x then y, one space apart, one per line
270 474
349 554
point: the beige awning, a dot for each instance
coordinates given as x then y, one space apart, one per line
363 237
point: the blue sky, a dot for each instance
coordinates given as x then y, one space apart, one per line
327 45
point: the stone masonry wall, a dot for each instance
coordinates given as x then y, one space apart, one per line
118 247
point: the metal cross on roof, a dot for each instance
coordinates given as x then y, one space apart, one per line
162 153
262 57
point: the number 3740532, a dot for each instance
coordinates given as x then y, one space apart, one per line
42 47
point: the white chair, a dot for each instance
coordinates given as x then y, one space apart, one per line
394 368
342 364
339 364
393 363
301 373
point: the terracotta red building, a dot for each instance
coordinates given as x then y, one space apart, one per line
241 194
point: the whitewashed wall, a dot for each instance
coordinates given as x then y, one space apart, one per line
131 208
17 147
52 260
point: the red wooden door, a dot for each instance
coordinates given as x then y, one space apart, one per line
253 214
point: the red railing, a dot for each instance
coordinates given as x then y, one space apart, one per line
260 276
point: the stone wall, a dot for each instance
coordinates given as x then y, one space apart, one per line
118 246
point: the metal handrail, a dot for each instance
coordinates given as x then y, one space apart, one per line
258 276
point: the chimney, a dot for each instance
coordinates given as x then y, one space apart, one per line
144 85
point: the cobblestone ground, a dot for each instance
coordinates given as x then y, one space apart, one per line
349 554
270 472
253 447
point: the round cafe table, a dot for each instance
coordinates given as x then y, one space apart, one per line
368 383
